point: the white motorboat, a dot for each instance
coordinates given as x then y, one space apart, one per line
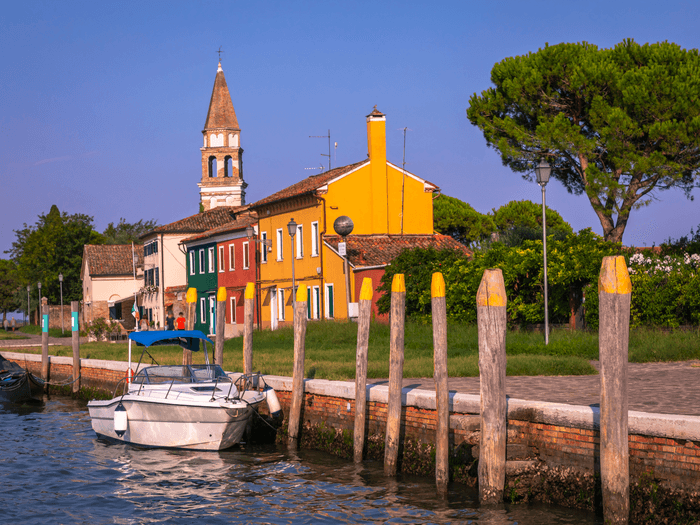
181 406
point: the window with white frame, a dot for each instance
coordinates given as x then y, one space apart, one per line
201 260
233 310
329 300
315 300
202 310
300 241
280 245
314 239
222 266
246 255
280 304
231 256
263 247
211 259
191 262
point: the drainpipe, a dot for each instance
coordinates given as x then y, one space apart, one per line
320 249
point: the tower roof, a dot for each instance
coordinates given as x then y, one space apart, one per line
221 113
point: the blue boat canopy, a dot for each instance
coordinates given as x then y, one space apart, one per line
188 339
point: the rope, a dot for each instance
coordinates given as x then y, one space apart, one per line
51 383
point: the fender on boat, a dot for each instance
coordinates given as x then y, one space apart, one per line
273 404
120 420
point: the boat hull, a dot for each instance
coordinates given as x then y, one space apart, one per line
20 387
158 423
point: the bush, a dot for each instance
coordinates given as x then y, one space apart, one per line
100 327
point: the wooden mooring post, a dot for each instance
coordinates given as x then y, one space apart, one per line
248 319
220 326
298 371
442 393
397 316
614 293
191 299
491 326
45 342
75 340
365 314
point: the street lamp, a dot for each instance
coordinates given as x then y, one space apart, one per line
40 302
542 171
292 229
60 282
29 289
343 226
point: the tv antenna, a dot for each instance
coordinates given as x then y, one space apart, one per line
319 168
329 147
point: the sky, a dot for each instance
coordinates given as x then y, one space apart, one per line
102 104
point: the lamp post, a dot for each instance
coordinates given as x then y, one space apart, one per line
60 282
542 171
343 226
292 229
29 309
38 285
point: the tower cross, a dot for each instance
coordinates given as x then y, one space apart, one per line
219 51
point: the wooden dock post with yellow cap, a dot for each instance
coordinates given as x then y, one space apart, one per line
615 293
298 371
396 345
491 326
220 326
191 298
365 314
442 393
248 318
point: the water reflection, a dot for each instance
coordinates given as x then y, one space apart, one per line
56 471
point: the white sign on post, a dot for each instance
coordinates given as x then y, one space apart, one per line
341 248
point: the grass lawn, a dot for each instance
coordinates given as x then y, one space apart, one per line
9 335
36 330
330 351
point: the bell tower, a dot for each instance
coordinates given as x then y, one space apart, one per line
222 156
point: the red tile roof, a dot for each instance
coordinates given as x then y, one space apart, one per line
221 114
308 185
379 250
111 259
241 222
201 222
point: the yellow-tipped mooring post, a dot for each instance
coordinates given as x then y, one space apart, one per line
396 345
615 294
491 326
298 373
220 325
442 393
248 320
191 298
365 314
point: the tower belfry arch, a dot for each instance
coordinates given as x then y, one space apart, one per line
222 181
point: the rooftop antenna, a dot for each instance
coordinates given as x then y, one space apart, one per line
403 181
329 146
319 168
220 51
336 154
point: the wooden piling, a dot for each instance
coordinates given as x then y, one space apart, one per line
191 299
442 393
365 314
248 324
396 344
298 373
491 326
220 325
614 293
75 339
45 341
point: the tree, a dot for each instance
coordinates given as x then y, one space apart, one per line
8 288
519 221
460 221
616 124
125 233
53 245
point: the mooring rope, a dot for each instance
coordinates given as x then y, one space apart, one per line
51 383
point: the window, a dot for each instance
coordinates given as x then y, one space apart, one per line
156 272
211 259
300 241
201 260
231 257
280 239
280 303
330 313
115 311
221 259
246 255
314 239
263 248
233 310
191 262
308 302
202 310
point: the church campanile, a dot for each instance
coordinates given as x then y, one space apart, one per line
222 156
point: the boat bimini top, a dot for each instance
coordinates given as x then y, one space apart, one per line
187 339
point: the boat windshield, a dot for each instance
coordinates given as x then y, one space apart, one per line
180 374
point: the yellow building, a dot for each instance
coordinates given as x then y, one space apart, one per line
387 205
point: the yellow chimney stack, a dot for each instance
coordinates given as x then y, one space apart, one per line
376 146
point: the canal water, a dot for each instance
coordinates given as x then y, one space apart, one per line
54 470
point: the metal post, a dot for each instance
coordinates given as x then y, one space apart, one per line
29 308
347 278
544 246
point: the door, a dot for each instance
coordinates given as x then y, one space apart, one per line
273 308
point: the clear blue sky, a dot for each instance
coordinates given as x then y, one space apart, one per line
102 104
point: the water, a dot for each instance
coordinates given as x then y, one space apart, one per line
54 470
